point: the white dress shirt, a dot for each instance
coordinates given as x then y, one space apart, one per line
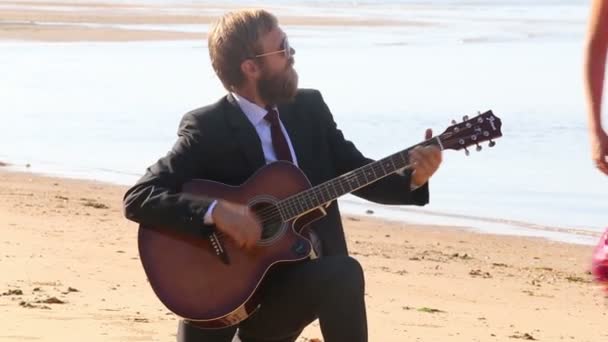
255 114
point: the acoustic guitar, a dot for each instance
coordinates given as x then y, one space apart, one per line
211 281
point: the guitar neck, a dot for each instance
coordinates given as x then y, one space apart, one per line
321 194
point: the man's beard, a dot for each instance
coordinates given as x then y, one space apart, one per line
279 88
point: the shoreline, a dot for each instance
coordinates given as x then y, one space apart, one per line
70 261
82 33
414 215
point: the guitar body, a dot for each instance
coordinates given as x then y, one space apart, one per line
213 282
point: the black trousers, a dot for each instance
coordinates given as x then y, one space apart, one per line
329 288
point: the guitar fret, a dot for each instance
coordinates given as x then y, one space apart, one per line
281 211
365 173
326 187
295 202
328 191
357 179
331 186
388 165
344 185
393 162
363 177
341 186
383 170
303 200
378 170
289 209
319 196
311 200
351 180
326 194
293 206
368 174
404 160
399 160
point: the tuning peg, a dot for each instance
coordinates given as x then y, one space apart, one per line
454 122
465 118
478 148
492 143
466 152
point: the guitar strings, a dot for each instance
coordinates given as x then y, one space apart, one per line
307 197
290 203
310 196
272 213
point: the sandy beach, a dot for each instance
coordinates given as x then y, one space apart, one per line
70 269
74 21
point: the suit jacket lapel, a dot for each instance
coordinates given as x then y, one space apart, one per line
245 134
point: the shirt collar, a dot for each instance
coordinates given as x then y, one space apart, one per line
252 111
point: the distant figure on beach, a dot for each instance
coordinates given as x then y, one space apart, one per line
265 118
595 67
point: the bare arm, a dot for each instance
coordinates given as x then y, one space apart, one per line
596 46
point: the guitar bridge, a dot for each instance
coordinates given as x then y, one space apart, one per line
218 248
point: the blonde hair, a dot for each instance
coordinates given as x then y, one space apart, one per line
234 38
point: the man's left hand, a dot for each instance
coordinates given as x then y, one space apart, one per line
425 161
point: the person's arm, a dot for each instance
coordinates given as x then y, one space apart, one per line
156 199
393 189
595 63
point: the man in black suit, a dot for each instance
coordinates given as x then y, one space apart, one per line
264 118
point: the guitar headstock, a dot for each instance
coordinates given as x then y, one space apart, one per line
483 127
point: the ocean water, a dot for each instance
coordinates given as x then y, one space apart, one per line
108 110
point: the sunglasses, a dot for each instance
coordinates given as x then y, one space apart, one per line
286 49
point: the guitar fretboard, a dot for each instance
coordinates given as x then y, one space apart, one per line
321 194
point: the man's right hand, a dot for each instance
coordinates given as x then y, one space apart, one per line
238 222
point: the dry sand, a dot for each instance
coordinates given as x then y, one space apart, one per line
71 20
70 272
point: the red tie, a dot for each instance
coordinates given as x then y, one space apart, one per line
281 149
279 143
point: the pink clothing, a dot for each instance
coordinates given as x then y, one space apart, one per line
599 262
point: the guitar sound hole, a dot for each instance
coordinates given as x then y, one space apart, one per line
270 218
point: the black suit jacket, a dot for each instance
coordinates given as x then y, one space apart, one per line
217 142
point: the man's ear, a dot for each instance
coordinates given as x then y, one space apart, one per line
250 69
